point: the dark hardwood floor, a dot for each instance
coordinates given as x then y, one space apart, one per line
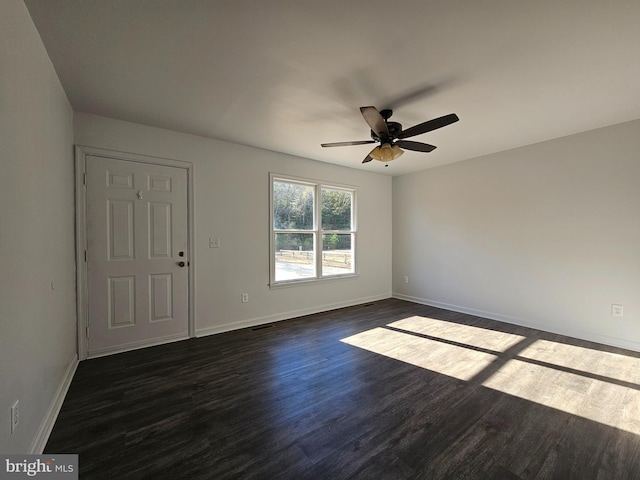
388 390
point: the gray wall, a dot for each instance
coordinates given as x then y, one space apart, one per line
546 235
37 271
232 202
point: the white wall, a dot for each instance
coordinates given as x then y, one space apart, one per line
232 202
37 321
546 235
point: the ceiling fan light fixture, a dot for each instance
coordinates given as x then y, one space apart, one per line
397 152
376 154
386 152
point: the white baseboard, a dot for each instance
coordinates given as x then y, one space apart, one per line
42 436
546 327
254 322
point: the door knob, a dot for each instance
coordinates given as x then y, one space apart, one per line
182 264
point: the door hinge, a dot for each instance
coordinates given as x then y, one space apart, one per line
87 331
85 255
84 178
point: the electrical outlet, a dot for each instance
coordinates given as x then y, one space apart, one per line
15 415
406 279
214 242
617 310
245 298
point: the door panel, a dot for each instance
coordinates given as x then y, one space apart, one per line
136 239
121 302
160 227
120 230
161 297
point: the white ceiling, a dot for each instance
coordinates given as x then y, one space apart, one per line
287 75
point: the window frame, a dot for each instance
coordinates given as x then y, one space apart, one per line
316 230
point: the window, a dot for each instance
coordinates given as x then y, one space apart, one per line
313 233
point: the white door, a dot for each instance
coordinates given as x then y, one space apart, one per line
137 258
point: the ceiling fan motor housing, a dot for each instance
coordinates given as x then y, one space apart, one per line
394 129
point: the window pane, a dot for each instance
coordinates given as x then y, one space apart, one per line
336 209
294 256
337 254
292 206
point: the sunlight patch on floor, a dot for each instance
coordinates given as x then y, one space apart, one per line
598 400
593 384
467 334
421 352
597 362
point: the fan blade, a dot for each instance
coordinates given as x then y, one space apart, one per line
415 146
346 144
368 158
376 122
429 126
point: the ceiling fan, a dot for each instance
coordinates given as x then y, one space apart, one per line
391 136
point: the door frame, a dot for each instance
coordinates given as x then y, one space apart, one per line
82 298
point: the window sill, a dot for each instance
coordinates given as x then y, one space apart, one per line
308 281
